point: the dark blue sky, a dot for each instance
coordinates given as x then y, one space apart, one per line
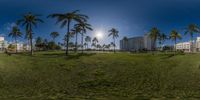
130 17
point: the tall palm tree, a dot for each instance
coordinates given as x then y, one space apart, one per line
29 20
84 27
98 47
54 35
174 35
87 40
76 30
94 42
115 34
67 19
154 34
191 30
161 38
15 33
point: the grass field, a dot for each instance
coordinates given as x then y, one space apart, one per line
122 76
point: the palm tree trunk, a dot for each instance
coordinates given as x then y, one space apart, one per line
76 43
16 44
67 45
191 43
31 43
114 46
175 46
82 42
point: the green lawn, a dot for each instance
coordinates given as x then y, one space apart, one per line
121 76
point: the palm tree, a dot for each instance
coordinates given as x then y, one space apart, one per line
54 35
84 27
98 46
39 43
94 42
67 19
15 33
174 35
76 30
191 29
154 34
161 38
108 46
29 20
93 45
85 45
115 34
87 40
104 46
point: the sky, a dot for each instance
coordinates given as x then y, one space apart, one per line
130 17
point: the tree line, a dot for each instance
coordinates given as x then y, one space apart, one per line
66 20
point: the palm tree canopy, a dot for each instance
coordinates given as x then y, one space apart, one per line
162 37
112 44
15 32
83 27
154 33
175 35
93 45
28 21
114 33
39 40
54 34
71 34
88 39
76 30
191 29
95 40
68 17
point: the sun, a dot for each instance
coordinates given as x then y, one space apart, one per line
99 35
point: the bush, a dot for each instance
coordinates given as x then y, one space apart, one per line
181 52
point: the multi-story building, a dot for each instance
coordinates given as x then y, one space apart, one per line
137 43
189 46
184 46
3 43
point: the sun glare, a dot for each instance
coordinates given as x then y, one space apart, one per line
99 35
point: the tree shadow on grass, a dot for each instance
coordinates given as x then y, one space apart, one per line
168 56
77 56
54 55
68 57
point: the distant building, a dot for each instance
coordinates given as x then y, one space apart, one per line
3 43
21 46
184 46
189 46
137 43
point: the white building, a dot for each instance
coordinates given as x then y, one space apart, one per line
184 46
3 43
137 43
189 46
